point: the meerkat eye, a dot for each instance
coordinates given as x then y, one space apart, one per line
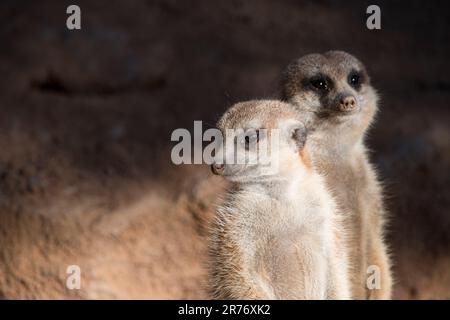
354 79
250 139
320 83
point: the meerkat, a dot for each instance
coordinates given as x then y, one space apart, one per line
333 91
268 241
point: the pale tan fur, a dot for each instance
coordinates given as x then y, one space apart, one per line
268 241
336 144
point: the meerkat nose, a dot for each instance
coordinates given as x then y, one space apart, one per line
217 168
347 103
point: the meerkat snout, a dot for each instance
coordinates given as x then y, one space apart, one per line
347 103
218 168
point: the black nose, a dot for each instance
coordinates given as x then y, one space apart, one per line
347 103
217 168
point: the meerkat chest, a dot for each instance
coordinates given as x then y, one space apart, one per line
291 216
284 229
289 252
347 178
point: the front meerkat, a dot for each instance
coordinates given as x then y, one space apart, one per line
333 90
267 242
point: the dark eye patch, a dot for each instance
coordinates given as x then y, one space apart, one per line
355 79
250 138
319 82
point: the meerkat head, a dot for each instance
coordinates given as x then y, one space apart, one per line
333 86
263 141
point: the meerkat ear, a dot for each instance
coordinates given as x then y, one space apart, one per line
299 135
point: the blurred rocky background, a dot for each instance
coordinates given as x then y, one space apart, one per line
86 118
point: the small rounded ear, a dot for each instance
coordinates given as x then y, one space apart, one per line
299 135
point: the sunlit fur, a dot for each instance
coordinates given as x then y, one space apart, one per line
336 145
278 237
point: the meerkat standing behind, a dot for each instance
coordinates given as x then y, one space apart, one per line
267 242
334 91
